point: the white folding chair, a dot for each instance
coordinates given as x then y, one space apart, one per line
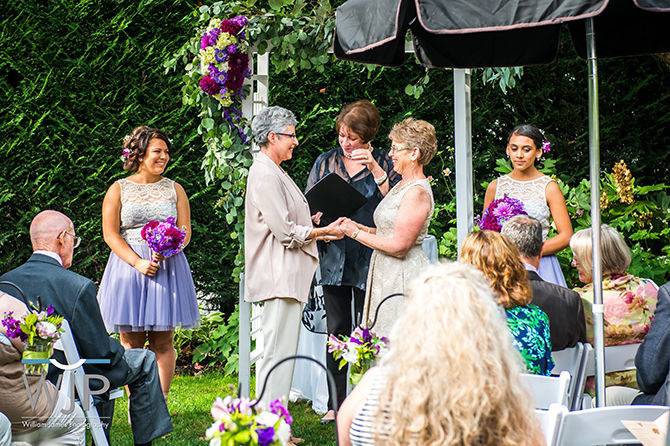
550 422
547 390
618 358
67 345
571 360
602 426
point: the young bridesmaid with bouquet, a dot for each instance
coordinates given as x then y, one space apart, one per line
539 193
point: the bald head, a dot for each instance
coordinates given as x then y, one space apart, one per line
46 227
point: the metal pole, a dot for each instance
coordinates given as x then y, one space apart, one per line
594 168
244 355
463 143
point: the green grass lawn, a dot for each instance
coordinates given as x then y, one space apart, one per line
190 400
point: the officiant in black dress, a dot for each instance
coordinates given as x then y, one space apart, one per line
344 263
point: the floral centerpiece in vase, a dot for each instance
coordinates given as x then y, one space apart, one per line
164 238
360 350
499 211
239 422
39 329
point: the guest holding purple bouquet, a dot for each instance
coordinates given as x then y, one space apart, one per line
147 289
541 197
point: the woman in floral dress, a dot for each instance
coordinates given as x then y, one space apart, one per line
499 260
629 301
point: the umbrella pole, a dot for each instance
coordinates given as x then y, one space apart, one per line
463 162
594 168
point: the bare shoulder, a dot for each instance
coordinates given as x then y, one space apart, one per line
114 191
492 186
417 194
552 189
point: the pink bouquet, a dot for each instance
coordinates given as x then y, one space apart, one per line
499 211
164 238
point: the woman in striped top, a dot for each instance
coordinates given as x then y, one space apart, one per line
441 382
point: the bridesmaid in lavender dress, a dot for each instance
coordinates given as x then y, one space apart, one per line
541 196
144 296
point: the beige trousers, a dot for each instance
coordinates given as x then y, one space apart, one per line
281 328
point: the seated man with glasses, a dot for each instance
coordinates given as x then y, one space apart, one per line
46 280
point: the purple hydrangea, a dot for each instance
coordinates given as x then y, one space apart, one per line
265 436
499 211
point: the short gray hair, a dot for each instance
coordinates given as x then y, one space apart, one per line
271 119
526 234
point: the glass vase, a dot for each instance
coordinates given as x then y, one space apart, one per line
36 356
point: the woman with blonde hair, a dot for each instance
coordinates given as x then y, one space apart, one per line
400 223
497 257
445 384
630 301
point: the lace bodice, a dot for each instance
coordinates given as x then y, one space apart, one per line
143 202
531 193
386 213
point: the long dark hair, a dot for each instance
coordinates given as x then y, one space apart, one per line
529 131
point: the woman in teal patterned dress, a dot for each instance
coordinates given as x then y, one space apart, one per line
499 260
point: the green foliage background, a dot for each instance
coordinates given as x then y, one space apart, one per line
76 76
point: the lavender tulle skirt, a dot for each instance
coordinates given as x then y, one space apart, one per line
550 271
131 301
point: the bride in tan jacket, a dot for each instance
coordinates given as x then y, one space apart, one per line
279 249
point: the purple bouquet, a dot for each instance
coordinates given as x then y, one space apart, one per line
236 422
165 238
499 211
39 329
360 350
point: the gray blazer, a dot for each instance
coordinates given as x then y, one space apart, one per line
653 357
279 260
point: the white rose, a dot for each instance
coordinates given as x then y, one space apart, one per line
212 430
283 432
267 418
351 355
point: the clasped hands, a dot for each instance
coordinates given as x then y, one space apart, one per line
337 229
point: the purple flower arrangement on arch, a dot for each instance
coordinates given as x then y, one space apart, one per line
236 422
224 65
499 211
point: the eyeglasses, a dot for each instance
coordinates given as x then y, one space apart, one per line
396 149
77 239
290 135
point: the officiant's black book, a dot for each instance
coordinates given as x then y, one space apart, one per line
333 196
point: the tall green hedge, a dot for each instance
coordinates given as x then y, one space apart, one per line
76 76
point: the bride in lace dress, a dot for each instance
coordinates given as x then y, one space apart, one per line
401 221
541 196
144 296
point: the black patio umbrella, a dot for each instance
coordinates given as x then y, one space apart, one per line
497 33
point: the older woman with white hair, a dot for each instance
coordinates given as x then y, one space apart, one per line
279 249
441 382
629 301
